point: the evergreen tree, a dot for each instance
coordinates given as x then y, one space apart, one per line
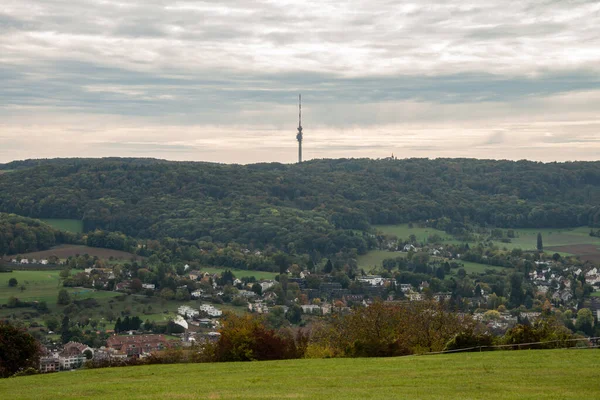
328 267
540 245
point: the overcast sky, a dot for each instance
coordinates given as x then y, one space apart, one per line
219 80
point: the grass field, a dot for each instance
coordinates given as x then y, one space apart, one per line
240 273
472 267
70 250
403 231
542 374
42 286
527 238
374 258
69 225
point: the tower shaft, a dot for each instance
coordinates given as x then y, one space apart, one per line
299 135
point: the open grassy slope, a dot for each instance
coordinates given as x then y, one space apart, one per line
42 286
69 225
551 374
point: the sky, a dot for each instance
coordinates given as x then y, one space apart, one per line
219 80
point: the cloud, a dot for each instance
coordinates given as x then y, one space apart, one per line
182 78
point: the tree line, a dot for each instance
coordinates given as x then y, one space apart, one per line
315 207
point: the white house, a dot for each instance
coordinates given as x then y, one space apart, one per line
311 309
266 285
211 310
149 286
373 280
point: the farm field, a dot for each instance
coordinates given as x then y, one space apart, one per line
551 237
68 225
502 375
68 250
240 273
587 252
42 286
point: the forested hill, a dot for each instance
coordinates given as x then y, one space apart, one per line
298 207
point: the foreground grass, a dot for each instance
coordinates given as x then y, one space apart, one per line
550 374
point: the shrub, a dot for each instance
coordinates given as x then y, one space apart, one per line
246 339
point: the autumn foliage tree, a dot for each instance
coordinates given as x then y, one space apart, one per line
246 338
385 330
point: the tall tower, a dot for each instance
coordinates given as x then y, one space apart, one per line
299 135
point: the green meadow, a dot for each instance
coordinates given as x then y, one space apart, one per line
240 273
42 286
527 238
68 225
477 268
501 375
403 231
374 258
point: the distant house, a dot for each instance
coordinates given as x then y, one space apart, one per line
211 310
44 262
409 247
71 359
197 293
151 286
311 309
405 287
247 294
122 286
24 261
194 275
135 345
442 296
372 280
266 285
49 364
77 347
187 311
415 296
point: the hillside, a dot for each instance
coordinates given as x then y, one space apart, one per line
542 374
317 206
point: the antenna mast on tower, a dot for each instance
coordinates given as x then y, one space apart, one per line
299 135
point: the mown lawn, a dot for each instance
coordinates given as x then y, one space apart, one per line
548 374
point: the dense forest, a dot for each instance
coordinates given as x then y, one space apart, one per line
321 206
21 235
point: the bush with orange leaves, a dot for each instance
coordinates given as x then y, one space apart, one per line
246 338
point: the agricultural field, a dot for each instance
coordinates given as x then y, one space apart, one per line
527 238
500 375
68 225
42 286
69 250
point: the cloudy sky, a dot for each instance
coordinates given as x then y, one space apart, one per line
219 80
